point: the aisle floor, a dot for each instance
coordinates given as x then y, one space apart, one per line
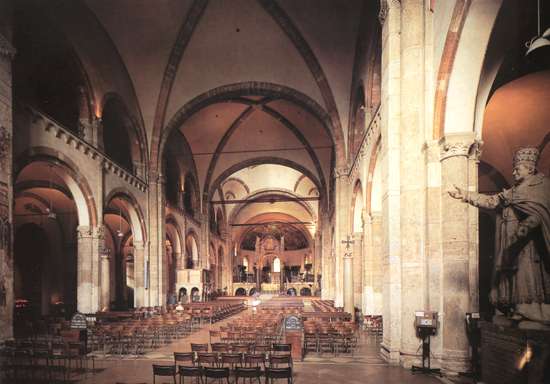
364 367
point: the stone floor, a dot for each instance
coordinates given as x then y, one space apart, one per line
364 367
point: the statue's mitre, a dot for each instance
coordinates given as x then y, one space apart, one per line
527 155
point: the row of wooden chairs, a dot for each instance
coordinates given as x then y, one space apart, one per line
204 374
234 359
51 359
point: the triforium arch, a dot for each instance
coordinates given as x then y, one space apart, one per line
121 135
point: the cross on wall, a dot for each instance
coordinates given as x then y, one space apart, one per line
348 242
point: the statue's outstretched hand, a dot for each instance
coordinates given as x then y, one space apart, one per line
457 193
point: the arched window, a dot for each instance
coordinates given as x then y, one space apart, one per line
276 265
245 263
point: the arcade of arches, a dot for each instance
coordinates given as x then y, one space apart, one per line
248 147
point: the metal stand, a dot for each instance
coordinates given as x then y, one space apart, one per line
425 334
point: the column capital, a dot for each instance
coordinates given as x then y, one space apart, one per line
341 172
157 178
99 232
83 231
138 244
462 144
7 50
385 6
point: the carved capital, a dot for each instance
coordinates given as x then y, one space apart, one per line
99 232
341 172
384 9
385 6
83 231
460 145
6 48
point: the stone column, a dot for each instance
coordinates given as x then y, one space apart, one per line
412 174
342 230
141 276
179 261
389 161
105 280
88 240
7 53
317 255
157 235
458 152
327 261
348 283
357 269
433 239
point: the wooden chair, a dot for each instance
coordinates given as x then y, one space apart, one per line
285 348
164 370
207 359
250 373
214 334
277 360
195 372
217 374
231 360
278 373
219 347
255 360
182 357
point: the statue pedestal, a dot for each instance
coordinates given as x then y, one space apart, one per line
503 350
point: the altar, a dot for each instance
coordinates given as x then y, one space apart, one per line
271 287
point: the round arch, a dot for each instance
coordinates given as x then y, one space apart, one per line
136 134
70 174
263 160
272 191
135 214
191 249
235 91
172 228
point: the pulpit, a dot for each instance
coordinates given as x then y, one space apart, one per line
294 335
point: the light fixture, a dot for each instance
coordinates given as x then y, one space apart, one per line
51 213
538 41
119 230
